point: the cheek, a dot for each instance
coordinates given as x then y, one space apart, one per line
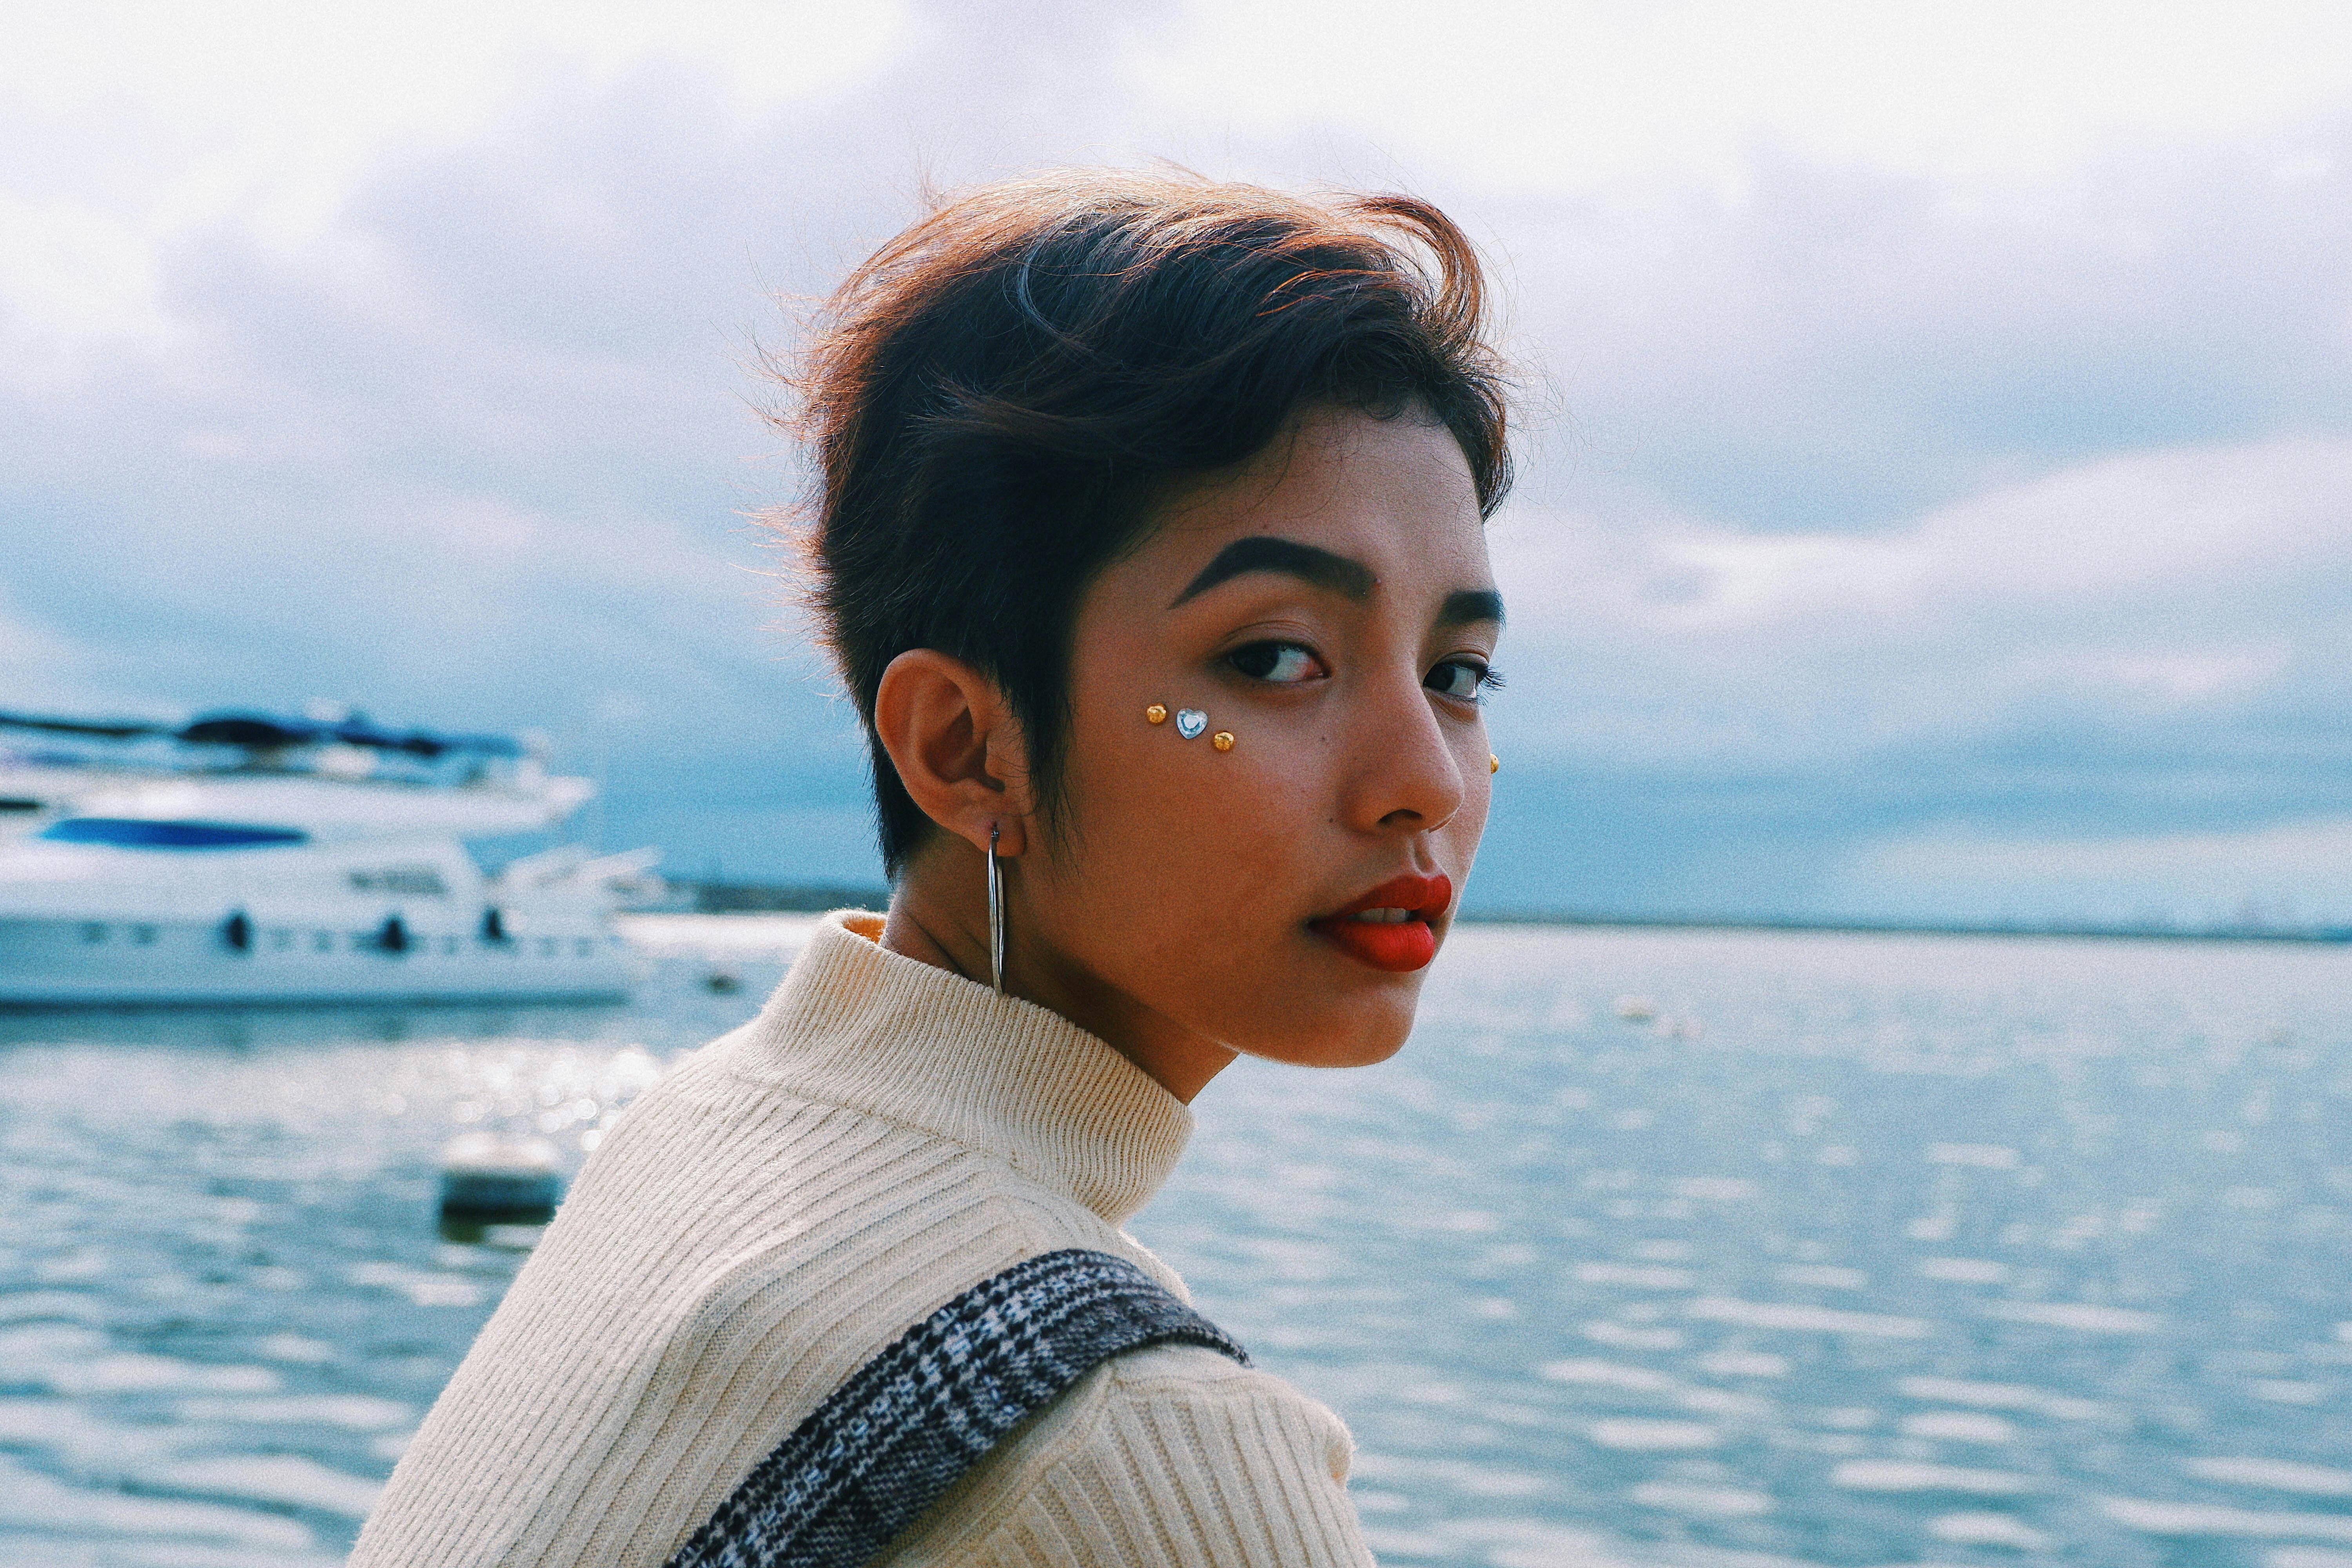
1187 876
1174 844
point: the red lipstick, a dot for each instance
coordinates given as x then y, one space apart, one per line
1389 927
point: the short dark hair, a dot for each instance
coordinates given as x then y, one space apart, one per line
997 397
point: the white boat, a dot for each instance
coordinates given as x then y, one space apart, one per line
242 858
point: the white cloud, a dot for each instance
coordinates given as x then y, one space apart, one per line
2227 519
140 120
2144 583
2155 521
1589 94
2171 680
70 270
296 102
395 357
1744 580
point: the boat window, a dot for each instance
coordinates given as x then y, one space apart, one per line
143 935
324 941
279 941
18 802
93 932
138 833
421 880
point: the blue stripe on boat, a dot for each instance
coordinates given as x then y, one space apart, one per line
138 833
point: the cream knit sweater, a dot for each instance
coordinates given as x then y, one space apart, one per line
780 1208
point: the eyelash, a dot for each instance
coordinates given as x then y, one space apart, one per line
1486 677
1242 657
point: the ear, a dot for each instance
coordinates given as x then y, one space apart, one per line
957 746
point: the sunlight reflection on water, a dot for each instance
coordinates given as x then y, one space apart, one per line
1845 1251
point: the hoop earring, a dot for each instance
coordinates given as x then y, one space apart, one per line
995 913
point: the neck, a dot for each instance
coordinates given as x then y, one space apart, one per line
939 915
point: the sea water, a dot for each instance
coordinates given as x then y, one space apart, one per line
1651 1247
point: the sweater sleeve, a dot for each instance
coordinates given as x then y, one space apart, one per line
1174 1456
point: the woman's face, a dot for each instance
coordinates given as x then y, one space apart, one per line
1330 607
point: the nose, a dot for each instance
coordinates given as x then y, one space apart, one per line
1405 777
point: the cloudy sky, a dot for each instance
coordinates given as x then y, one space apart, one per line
1937 493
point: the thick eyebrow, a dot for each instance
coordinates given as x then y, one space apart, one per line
1266 552
1469 607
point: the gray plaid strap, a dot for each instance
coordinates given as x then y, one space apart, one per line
888 1443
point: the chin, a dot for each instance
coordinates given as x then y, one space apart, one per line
1360 1035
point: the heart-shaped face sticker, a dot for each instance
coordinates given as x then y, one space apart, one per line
1191 721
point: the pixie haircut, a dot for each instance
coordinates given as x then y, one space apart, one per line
1000 396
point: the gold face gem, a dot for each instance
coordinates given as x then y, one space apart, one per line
1493 764
1222 740
1156 713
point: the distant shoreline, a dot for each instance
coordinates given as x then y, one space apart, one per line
714 898
2320 935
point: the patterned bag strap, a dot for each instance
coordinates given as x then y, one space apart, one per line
888 1443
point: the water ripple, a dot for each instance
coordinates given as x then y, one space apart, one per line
1934 1251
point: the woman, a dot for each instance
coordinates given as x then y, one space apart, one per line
1150 547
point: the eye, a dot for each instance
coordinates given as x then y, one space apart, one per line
1286 663
1462 678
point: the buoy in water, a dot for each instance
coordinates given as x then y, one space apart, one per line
489 1180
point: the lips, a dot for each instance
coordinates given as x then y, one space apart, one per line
1389 927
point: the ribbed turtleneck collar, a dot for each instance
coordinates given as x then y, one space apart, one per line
858 1026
